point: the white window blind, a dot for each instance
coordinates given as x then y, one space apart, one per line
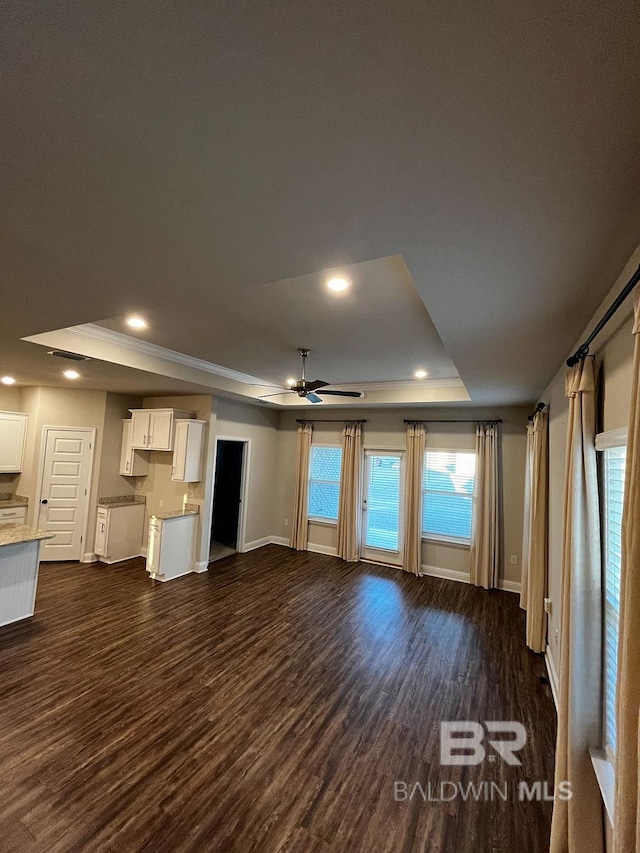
449 479
383 491
324 482
614 466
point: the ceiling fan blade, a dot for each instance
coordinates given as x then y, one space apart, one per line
313 398
277 394
317 383
357 394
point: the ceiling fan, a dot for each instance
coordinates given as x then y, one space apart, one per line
310 390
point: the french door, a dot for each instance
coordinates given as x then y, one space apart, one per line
383 506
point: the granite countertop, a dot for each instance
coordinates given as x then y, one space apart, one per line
12 501
122 500
14 534
190 509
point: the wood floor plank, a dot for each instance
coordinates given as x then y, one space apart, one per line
267 706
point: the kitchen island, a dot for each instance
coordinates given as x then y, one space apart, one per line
19 560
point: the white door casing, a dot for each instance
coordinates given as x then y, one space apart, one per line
65 484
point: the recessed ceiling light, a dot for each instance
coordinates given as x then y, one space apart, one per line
291 381
136 323
8 380
71 374
337 284
420 374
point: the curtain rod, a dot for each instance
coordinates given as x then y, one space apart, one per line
337 421
539 408
583 349
455 421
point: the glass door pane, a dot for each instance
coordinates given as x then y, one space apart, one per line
382 506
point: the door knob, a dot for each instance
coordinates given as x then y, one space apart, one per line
45 501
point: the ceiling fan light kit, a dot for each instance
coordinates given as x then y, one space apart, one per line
311 391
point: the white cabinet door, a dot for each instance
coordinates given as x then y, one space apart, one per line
140 429
178 469
100 547
187 451
133 463
13 433
153 546
160 430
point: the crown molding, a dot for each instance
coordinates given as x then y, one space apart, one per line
402 384
100 333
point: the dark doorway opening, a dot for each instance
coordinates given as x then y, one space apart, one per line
227 498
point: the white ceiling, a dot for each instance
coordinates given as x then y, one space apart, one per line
176 159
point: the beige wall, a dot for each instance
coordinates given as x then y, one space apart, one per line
61 407
69 407
385 430
110 482
10 401
260 427
614 352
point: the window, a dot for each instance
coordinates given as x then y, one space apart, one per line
613 477
448 486
324 482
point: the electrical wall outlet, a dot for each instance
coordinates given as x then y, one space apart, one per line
547 606
557 636
514 560
161 503
190 492
286 522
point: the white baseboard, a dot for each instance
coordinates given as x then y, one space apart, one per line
89 557
143 553
108 562
553 675
281 540
327 550
200 566
463 577
445 574
257 543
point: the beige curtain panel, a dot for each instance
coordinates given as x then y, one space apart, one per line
535 538
299 527
412 555
627 797
526 527
577 823
485 539
349 505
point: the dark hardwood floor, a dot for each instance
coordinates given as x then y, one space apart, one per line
269 705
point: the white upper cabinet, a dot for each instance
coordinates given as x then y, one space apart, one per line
188 451
152 429
133 463
13 434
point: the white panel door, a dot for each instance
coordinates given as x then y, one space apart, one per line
383 507
64 495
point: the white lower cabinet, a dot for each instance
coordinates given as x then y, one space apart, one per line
13 515
170 548
119 531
